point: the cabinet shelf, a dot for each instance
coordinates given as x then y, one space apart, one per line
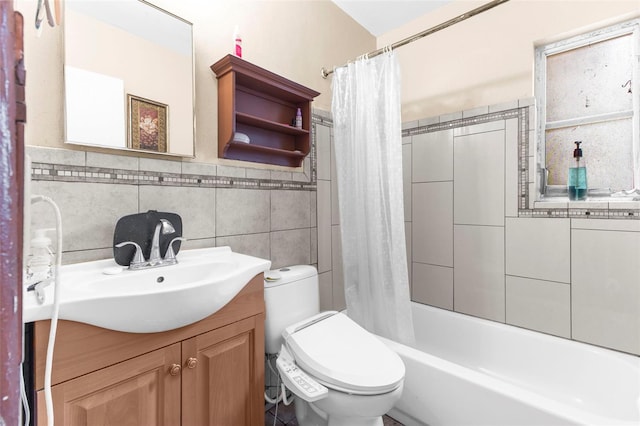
255 121
263 154
260 104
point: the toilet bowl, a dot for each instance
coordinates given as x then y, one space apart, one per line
358 377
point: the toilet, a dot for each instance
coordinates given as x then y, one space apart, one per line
339 373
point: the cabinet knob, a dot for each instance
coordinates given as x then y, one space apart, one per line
192 362
175 369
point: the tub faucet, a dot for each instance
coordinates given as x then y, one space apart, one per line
162 228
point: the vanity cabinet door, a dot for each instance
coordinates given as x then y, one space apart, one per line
141 391
223 376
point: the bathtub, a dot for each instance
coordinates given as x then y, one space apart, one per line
469 371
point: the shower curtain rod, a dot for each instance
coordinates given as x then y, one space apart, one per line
325 73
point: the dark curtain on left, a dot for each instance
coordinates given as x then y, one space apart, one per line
12 120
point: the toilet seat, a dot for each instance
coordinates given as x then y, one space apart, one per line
343 356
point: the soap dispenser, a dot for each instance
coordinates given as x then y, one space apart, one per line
577 180
40 262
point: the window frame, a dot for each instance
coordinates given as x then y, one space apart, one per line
631 27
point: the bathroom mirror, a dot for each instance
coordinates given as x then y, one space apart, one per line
128 77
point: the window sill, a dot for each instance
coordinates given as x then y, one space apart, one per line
556 196
591 208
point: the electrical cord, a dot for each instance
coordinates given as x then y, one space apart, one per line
275 413
25 401
282 394
56 308
278 397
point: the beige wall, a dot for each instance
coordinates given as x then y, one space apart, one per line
292 38
487 59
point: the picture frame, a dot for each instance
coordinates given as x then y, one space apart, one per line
148 122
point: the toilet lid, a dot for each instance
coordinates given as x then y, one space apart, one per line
344 356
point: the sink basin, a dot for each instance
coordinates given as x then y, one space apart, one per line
101 293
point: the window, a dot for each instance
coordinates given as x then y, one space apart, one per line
586 91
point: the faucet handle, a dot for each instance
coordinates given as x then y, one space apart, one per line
170 255
138 258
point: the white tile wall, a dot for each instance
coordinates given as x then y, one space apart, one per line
479 278
432 157
242 211
432 225
479 182
59 156
538 248
406 180
335 206
539 305
325 281
188 202
433 285
96 159
323 149
490 126
339 301
290 209
89 211
157 165
324 225
605 288
258 245
291 247
256 173
408 237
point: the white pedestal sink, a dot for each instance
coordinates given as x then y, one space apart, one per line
150 300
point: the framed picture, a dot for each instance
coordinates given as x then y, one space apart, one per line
147 124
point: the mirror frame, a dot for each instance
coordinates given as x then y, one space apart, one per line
127 113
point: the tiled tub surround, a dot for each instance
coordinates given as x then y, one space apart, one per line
265 213
479 243
479 248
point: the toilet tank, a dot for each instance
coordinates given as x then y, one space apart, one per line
291 294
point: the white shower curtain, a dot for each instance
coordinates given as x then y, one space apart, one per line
368 151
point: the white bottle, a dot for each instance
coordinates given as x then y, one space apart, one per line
299 119
237 43
40 262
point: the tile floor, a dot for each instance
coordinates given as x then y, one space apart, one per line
286 416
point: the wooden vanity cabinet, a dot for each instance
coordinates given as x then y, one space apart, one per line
139 391
261 105
207 373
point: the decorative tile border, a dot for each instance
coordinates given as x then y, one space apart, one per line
305 181
548 213
55 172
582 213
523 159
463 122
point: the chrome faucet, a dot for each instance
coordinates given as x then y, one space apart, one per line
164 227
155 259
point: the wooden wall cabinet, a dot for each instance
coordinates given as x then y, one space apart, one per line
262 105
207 373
